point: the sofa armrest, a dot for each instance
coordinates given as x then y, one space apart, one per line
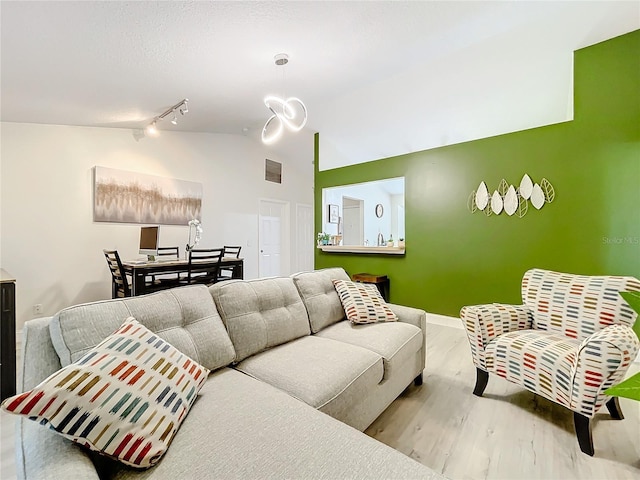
39 358
43 454
603 358
413 316
486 322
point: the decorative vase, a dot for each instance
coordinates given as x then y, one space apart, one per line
401 243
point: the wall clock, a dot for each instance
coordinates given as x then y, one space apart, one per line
379 210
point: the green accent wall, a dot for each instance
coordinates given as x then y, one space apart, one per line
456 258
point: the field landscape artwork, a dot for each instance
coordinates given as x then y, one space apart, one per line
129 197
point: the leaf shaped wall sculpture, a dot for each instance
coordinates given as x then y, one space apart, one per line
471 202
488 212
511 201
482 196
503 187
523 206
537 197
496 203
548 190
526 187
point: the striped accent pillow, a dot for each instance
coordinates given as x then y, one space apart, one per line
363 303
126 398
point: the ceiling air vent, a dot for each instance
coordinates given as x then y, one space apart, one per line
272 171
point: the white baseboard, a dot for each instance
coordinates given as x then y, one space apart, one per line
444 320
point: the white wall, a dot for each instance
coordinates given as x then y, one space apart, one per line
464 95
48 239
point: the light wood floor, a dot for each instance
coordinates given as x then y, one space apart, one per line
508 434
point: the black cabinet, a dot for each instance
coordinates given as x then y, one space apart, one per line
7 336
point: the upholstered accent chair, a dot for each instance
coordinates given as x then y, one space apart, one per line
569 341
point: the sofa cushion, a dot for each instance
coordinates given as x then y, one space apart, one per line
363 303
186 317
323 373
263 433
320 296
539 361
260 314
126 398
395 342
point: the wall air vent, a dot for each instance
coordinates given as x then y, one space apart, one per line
272 171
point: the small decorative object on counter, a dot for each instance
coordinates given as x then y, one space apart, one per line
401 242
390 241
323 238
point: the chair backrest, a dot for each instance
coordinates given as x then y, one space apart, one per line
120 285
204 274
577 305
169 251
231 251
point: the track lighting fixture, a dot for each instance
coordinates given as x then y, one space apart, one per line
152 129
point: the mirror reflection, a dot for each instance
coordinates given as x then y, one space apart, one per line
365 214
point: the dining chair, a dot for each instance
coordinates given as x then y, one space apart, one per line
164 280
227 272
207 274
119 282
169 251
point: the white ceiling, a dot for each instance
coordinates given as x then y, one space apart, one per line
120 64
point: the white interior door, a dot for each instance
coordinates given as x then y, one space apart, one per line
304 238
273 230
352 222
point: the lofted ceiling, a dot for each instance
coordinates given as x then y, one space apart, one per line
120 64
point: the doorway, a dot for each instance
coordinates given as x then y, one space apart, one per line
273 233
353 221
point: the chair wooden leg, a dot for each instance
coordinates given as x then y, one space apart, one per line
613 405
482 378
582 425
418 380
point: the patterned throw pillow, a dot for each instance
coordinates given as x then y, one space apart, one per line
126 398
363 303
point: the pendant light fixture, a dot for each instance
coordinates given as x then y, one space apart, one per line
286 112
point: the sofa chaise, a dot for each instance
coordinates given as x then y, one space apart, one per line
292 384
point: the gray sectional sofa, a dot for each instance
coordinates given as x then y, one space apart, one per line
292 386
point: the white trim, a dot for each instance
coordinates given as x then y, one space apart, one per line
444 320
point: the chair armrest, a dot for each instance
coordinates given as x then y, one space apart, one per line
486 322
602 361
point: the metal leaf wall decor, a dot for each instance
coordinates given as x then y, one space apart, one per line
512 200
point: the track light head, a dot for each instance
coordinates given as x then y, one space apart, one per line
151 129
174 120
